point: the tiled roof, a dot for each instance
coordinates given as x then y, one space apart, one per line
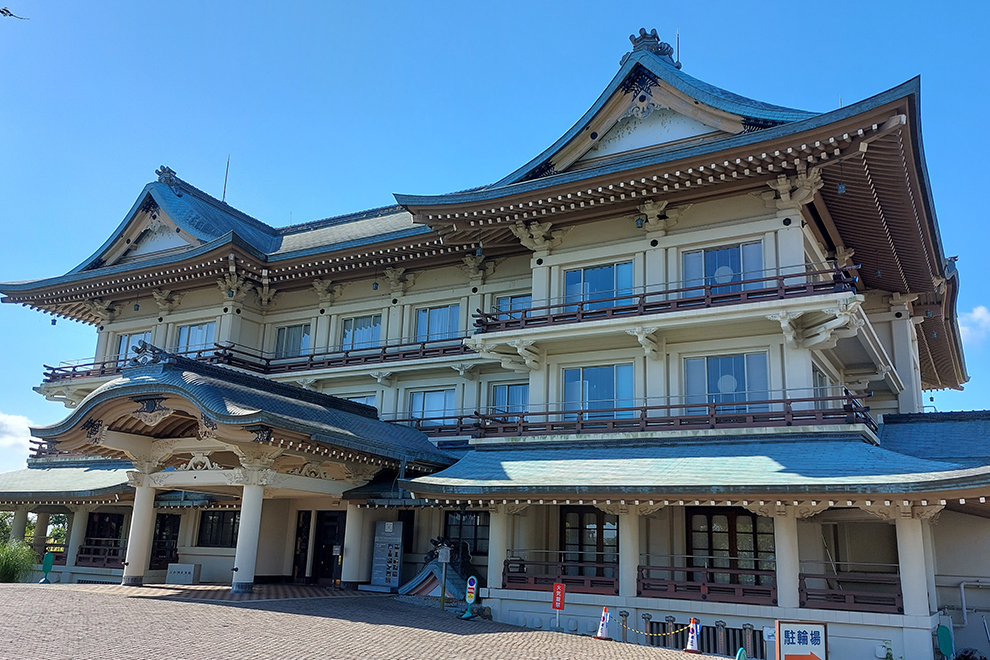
829 464
104 478
956 436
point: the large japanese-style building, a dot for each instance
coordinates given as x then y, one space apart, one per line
674 362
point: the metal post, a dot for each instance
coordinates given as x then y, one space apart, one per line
647 618
443 588
721 643
748 639
625 620
671 623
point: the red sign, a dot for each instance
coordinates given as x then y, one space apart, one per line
558 596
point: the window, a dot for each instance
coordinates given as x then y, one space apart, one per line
727 379
218 529
367 399
723 266
435 323
431 406
361 332
292 340
127 343
823 388
599 283
196 337
510 398
589 536
104 528
734 539
470 527
599 389
506 305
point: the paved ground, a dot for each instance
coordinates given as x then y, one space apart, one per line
89 622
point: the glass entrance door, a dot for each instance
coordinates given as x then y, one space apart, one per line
329 538
589 539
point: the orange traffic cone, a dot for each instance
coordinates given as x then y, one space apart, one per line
603 626
692 643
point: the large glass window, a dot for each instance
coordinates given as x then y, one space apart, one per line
722 268
511 398
729 380
432 406
470 527
196 337
292 340
366 399
218 529
433 323
127 343
508 306
104 528
591 537
600 389
598 286
361 332
734 539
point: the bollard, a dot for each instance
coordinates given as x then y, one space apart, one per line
625 619
671 627
748 638
721 643
647 618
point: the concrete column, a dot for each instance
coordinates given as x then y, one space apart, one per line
628 552
541 279
139 535
785 539
926 531
41 532
904 354
321 331
790 244
498 545
246 555
798 382
18 525
911 561
354 546
77 533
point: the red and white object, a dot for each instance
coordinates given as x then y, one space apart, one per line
603 626
692 643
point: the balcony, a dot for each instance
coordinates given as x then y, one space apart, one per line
101 553
673 297
765 409
717 579
270 364
851 587
538 570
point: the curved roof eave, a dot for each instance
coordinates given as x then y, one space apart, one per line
907 89
380 238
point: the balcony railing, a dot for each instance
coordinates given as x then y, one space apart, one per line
536 570
271 364
765 409
163 553
101 553
855 587
686 577
673 297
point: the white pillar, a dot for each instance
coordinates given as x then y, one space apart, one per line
19 524
926 531
246 555
77 533
139 535
628 552
911 561
40 539
498 545
785 539
354 546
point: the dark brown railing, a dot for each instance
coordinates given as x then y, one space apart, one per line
261 363
101 553
821 410
163 553
657 301
518 573
719 585
844 591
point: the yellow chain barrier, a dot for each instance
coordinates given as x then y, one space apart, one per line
672 632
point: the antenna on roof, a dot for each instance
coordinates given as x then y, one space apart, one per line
677 55
225 173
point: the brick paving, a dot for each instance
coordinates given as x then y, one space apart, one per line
90 622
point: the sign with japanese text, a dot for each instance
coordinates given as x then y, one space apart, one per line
801 640
558 596
472 590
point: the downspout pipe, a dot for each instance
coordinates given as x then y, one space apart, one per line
962 596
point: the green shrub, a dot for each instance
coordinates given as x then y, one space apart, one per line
17 559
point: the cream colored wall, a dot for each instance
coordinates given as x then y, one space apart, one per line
276 526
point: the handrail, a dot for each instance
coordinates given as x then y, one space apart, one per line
884 594
639 301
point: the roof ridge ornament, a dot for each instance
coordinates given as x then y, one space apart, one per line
650 41
167 176
148 354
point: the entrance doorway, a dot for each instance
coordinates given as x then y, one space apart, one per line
328 546
165 543
303 524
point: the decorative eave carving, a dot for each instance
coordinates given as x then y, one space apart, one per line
863 382
256 456
786 320
384 378
824 334
328 291
313 470
199 461
399 280
515 509
477 268
151 411
776 509
207 428
844 255
166 300
613 508
465 371
528 355
266 294
790 193
104 310
306 383
537 236
234 287
528 351
657 218
652 346
359 471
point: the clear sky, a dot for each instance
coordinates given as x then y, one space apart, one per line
329 107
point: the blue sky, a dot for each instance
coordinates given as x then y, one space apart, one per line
328 108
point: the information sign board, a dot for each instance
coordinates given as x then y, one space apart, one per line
472 590
558 596
801 640
387 562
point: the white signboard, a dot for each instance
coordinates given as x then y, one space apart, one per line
801 640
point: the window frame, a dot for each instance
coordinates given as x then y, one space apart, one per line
280 352
588 299
509 408
226 516
453 330
721 287
725 406
439 420
376 342
132 338
607 413
189 348
476 528
760 560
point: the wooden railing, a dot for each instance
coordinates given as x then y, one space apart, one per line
267 364
163 553
101 553
782 411
719 585
632 303
844 591
578 576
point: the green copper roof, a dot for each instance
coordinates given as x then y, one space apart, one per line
64 482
